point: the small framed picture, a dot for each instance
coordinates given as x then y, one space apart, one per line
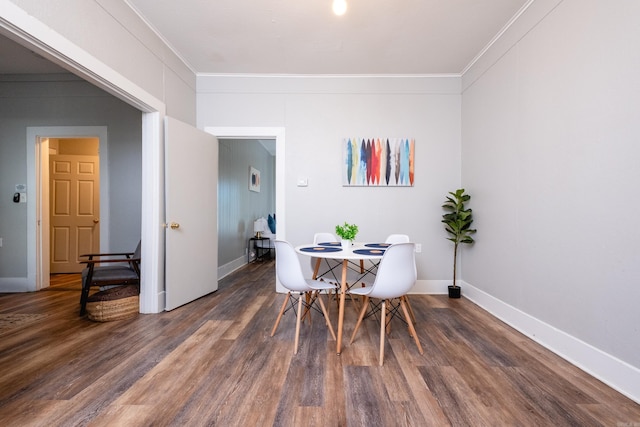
254 179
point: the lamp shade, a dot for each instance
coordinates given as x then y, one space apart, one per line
258 227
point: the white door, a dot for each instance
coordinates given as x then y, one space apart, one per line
74 188
191 182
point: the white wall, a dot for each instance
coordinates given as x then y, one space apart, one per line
550 154
317 113
112 42
64 100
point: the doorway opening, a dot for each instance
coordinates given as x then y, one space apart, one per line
265 133
38 194
240 203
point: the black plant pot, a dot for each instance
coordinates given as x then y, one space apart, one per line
454 291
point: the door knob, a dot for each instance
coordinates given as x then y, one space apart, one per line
96 220
174 225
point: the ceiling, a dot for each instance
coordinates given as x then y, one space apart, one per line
397 37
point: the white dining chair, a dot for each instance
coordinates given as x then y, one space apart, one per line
304 292
402 238
323 238
395 278
397 238
391 239
328 273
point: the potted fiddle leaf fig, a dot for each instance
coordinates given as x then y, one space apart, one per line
457 220
347 233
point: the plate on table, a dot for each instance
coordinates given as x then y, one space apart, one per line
377 252
378 245
329 244
318 249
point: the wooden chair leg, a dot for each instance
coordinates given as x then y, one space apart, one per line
309 298
284 305
382 329
413 316
326 315
329 297
389 307
84 296
363 311
298 319
403 303
356 303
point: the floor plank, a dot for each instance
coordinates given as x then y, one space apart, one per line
213 362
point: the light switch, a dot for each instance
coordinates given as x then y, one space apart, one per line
303 182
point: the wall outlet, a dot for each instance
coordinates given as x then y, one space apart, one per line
418 248
0 242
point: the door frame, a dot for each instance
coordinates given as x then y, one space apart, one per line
277 133
41 39
38 227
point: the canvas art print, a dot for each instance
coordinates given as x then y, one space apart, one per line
378 162
254 179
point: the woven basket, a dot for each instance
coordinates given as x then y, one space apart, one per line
121 302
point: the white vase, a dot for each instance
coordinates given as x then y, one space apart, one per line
346 244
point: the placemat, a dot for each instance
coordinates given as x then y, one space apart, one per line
378 245
330 244
320 249
369 252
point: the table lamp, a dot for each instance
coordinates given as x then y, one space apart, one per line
258 228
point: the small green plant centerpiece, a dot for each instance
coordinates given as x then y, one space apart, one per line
347 233
457 222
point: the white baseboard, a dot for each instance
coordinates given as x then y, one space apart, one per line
162 301
434 287
616 373
15 284
230 267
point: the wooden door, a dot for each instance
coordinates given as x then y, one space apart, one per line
191 182
74 187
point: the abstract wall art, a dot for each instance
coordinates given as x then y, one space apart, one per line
254 179
378 162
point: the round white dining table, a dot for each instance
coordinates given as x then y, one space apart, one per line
333 250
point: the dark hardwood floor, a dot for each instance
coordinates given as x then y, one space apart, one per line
212 362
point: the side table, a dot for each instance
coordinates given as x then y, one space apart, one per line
261 248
